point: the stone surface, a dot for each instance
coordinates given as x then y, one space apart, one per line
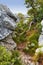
7 26
27 60
7 23
41 36
8 43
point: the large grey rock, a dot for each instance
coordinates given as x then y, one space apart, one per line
7 10
41 36
8 43
7 23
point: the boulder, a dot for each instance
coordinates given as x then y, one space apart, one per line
41 36
7 26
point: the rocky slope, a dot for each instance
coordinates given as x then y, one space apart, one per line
7 26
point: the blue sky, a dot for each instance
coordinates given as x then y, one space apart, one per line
16 6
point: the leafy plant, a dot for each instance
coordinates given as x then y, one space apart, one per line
33 45
16 58
30 48
35 9
9 57
20 32
5 56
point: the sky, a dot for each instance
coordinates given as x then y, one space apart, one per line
16 6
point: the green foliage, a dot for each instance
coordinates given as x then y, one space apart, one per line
38 27
35 9
33 39
39 15
5 56
21 16
34 36
30 48
33 45
8 57
20 32
20 36
15 58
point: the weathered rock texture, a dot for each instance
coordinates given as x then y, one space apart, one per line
41 36
7 26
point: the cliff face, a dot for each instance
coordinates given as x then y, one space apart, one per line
7 25
7 21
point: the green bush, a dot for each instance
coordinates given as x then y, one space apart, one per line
33 37
33 45
20 32
15 58
39 27
9 57
30 48
5 56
